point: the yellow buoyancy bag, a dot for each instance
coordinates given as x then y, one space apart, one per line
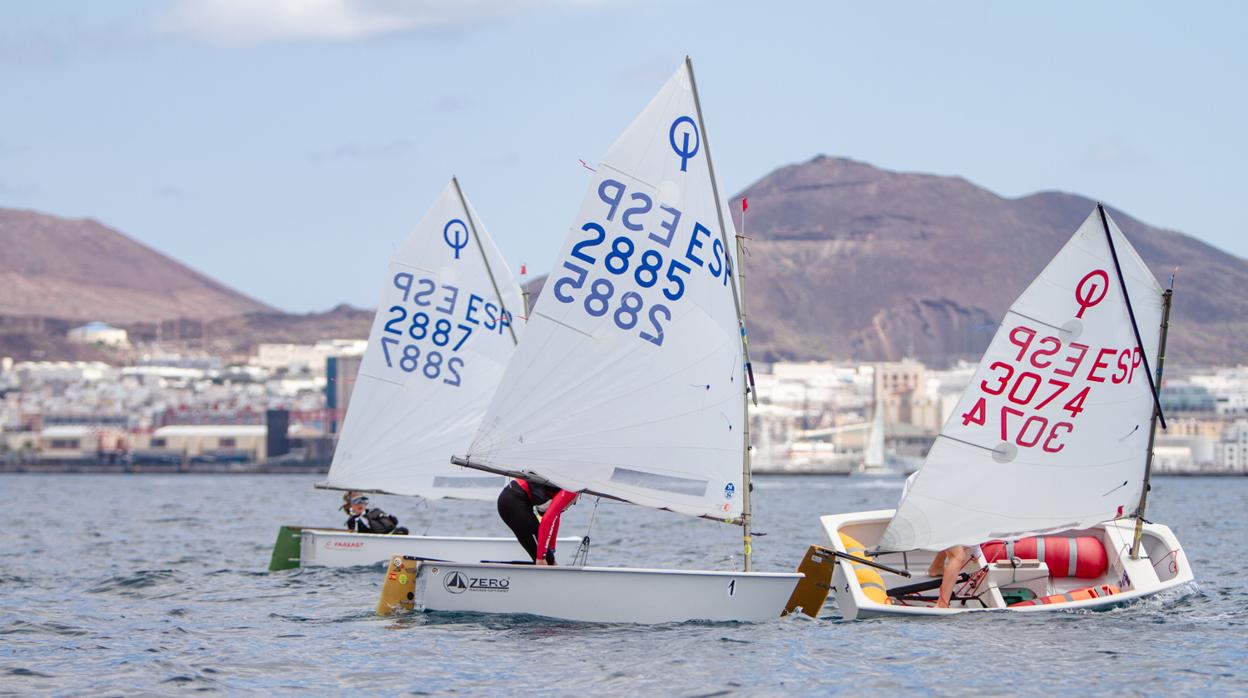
871 582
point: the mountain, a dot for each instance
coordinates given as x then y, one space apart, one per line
80 270
850 261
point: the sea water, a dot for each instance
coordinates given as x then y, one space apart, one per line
157 583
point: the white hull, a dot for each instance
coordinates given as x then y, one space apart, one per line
331 548
1162 565
603 595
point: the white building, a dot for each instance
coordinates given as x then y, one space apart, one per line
1231 453
99 333
309 358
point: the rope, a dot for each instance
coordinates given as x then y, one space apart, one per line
1167 556
581 558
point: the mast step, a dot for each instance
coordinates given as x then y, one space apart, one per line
812 590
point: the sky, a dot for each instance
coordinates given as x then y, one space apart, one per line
286 147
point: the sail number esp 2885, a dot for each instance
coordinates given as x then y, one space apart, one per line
649 251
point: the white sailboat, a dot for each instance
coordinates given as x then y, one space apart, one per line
442 335
632 385
873 457
1047 455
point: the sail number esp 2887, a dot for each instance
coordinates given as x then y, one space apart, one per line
427 336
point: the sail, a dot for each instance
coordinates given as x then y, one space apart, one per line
1052 431
629 382
440 340
873 456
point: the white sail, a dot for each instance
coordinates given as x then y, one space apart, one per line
439 343
873 455
629 383
1052 431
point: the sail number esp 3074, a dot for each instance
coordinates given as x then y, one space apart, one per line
1041 382
652 252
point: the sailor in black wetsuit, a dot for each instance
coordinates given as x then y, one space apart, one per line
365 520
518 504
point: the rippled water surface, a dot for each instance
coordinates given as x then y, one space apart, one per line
122 584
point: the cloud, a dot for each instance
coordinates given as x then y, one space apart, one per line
357 151
263 21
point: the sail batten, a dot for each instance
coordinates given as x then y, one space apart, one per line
1052 431
440 340
629 382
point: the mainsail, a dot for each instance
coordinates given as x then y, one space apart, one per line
442 335
630 382
1052 432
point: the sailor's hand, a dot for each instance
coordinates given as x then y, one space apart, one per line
542 562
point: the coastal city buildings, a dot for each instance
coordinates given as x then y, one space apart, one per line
285 403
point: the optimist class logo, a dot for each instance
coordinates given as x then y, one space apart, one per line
455 233
1091 290
682 147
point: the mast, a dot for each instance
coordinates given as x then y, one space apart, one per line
1122 283
1152 433
738 299
472 225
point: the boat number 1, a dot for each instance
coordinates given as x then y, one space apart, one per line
732 587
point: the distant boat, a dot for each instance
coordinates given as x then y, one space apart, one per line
1045 461
442 335
631 384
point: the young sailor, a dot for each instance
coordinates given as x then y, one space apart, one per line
521 502
948 563
365 520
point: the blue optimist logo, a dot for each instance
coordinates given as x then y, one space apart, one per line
455 233
684 139
729 490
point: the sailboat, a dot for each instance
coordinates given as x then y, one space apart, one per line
873 457
631 385
1044 463
441 337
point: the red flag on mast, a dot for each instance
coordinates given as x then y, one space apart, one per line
745 203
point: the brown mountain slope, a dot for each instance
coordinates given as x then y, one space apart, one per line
78 269
850 261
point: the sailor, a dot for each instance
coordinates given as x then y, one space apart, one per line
365 520
519 505
948 563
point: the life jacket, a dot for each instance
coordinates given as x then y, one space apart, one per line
373 521
538 494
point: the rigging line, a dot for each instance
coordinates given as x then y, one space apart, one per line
1042 322
484 259
968 443
582 553
1122 282
563 324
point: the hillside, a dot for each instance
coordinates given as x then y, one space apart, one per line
80 270
850 261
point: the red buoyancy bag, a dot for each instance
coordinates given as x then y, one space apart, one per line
1076 595
1083 557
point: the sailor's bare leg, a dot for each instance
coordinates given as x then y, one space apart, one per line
955 559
